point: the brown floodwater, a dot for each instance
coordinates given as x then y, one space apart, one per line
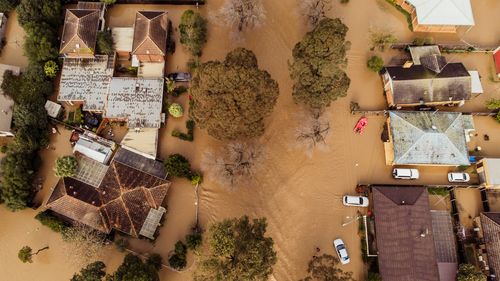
299 194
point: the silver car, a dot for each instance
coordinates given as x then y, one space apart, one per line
339 246
458 177
356 201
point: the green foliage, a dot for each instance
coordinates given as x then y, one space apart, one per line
178 91
4 149
66 166
438 191
178 166
169 85
468 272
178 259
194 240
196 178
17 173
40 48
25 254
403 11
134 269
193 31
318 62
190 134
121 244
239 250
11 84
325 268
105 43
51 221
92 272
375 63
176 110
8 5
382 39
48 11
421 41
155 261
108 2
493 104
231 98
51 68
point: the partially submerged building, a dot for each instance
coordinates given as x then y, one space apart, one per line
429 79
414 243
488 170
121 197
6 103
79 35
444 16
150 37
94 147
428 138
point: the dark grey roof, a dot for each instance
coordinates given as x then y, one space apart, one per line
416 83
140 163
422 137
404 234
421 51
434 62
445 245
490 223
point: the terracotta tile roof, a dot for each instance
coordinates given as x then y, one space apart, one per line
404 234
80 28
150 33
122 201
490 223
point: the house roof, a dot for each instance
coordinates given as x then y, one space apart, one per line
80 31
422 137
419 83
445 245
493 166
121 201
123 38
421 51
443 12
53 109
6 103
143 142
476 86
86 5
150 33
405 240
146 165
490 223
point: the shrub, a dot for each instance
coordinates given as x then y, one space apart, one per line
176 110
51 68
178 259
178 166
375 63
66 166
51 221
421 41
194 240
179 91
196 179
155 261
8 5
190 134
105 43
3 149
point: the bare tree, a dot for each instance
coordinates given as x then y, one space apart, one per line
235 164
84 244
242 14
315 10
313 131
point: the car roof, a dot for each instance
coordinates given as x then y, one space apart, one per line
343 253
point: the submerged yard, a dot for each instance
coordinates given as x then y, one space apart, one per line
300 195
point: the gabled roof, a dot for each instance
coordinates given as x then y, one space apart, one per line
421 137
122 200
421 51
434 62
490 223
80 31
443 12
150 33
404 234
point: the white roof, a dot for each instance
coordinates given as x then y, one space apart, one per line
6 103
493 165
477 87
52 108
143 142
152 222
443 12
92 149
123 38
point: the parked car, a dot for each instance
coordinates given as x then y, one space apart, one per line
356 201
405 174
458 177
179 76
339 246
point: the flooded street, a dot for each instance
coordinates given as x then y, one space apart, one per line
299 195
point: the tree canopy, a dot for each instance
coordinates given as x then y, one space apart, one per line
66 166
105 43
232 98
468 272
178 166
25 254
134 269
48 11
92 272
326 268
17 172
193 30
8 5
239 250
318 62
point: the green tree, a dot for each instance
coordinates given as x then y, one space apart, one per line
178 259
178 166
468 272
494 104
51 221
375 63
232 98
317 65
194 240
326 268
239 250
105 43
51 68
66 166
193 30
176 110
92 272
26 254
108 2
11 84
40 46
48 11
8 5
134 269
17 172
154 260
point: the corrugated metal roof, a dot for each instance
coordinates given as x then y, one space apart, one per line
443 12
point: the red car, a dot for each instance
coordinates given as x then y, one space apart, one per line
360 126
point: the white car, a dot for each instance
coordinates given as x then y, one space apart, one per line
458 177
405 174
356 201
339 246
